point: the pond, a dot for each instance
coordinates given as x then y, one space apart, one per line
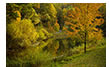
59 46
54 46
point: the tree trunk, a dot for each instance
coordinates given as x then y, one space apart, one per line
85 44
86 31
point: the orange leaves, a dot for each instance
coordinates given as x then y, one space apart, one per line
64 28
68 23
99 21
83 19
85 15
77 9
19 16
56 24
95 29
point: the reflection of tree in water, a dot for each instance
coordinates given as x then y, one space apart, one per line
59 46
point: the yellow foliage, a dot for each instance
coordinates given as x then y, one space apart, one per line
43 33
23 30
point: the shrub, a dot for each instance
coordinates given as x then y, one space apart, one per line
21 34
31 58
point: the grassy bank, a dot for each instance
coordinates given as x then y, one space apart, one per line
93 58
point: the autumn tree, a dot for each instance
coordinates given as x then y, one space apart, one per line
48 15
59 8
70 17
81 22
88 22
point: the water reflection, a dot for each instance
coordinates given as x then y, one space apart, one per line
59 46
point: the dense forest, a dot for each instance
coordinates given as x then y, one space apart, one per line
54 34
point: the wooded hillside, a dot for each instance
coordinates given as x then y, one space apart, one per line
38 33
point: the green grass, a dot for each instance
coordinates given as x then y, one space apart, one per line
30 58
93 58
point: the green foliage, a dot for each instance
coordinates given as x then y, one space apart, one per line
101 42
31 58
48 8
35 17
26 10
23 32
48 13
10 13
56 27
43 34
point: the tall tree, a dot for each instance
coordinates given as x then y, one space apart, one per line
88 21
84 23
48 13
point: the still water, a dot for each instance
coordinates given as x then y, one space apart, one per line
55 46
